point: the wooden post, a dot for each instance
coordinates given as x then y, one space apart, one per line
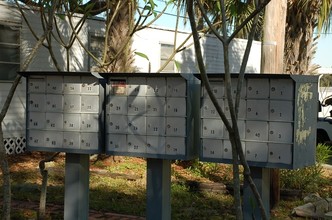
272 62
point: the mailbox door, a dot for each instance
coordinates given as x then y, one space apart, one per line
37 102
175 126
155 126
36 85
176 87
89 141
256 152
37 120
280 153
90 104
54 84
137 125
257 130
227 150
136 105
72 103
212 128
136 86
89 122
90 85
282 89
36 138
258 88
212 148
71 140
136 144
53 139
281 110
54 103
117 142
54 121
117 124
71 122
156 86
155 106
118 105
156 145
176 107
258 109
281 132
175 146
72 84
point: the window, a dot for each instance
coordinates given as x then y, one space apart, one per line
9 52
166 52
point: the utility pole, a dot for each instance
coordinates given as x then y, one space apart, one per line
272 62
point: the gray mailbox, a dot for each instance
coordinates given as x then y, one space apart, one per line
276 120
152 115
64 112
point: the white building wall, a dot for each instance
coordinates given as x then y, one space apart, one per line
148 41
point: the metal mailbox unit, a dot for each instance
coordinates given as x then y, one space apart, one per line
152 115
64 112
276 120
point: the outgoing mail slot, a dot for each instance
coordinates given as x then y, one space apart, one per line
118 87
89 122
72 84
54 139
90 85
281 89
176 87
36 85
90 103
72 122
212 148
118 105
54 84
116 142
136 105
227 149
36 138
36 120
175 146
71 140
89 141
136 125
54 103
155 126
117 124
72 103
212 128
37 102
256 152
136 86
155 145
54 121
280 153
257 130
156 86
258 88
281 111
155 106
281 132
175 126
176 107
136 143
258 109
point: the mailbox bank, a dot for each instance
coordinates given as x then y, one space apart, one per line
276 120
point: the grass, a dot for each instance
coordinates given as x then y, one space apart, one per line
122 195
